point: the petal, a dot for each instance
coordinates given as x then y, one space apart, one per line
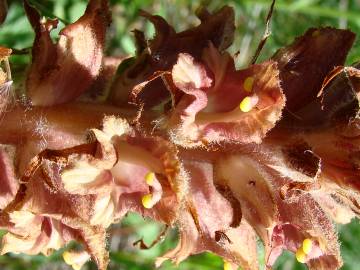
337 100
72 211
158 197
4 53
335 207
9 183
115 170
61 72
39 234
94 239
300 217
206 223
250 185
338 156
310 222
164 49
304 64
227 111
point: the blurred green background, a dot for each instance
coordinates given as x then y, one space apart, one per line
290 19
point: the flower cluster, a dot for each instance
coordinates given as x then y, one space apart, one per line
182 137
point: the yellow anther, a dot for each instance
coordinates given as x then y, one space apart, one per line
300 255
147 201
75 259
248 84
227 266
315 33
306 246
68 257
149 178
246 105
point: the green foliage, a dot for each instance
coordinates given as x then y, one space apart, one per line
291 18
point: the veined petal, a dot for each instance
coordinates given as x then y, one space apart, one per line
61 72
240 107
251 186
210 222
299 218
6 95
305 63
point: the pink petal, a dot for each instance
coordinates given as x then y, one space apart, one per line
212 114
61 72
9 183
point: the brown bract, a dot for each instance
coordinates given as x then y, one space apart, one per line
162 53
63 71
3 10
305 63
9 185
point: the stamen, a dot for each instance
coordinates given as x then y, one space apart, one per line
147 201
227 266
248 84
67 258
247 104
149 178
315 33
300 255
307 246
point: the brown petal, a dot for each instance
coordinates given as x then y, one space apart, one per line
94 239
339 156
337 209
6 95
32 234
241 106
9 183
124 171
164 49
337 101
304 64
3 10
299 218
4 52
61 72
205 223
311 222
72 211
250 185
